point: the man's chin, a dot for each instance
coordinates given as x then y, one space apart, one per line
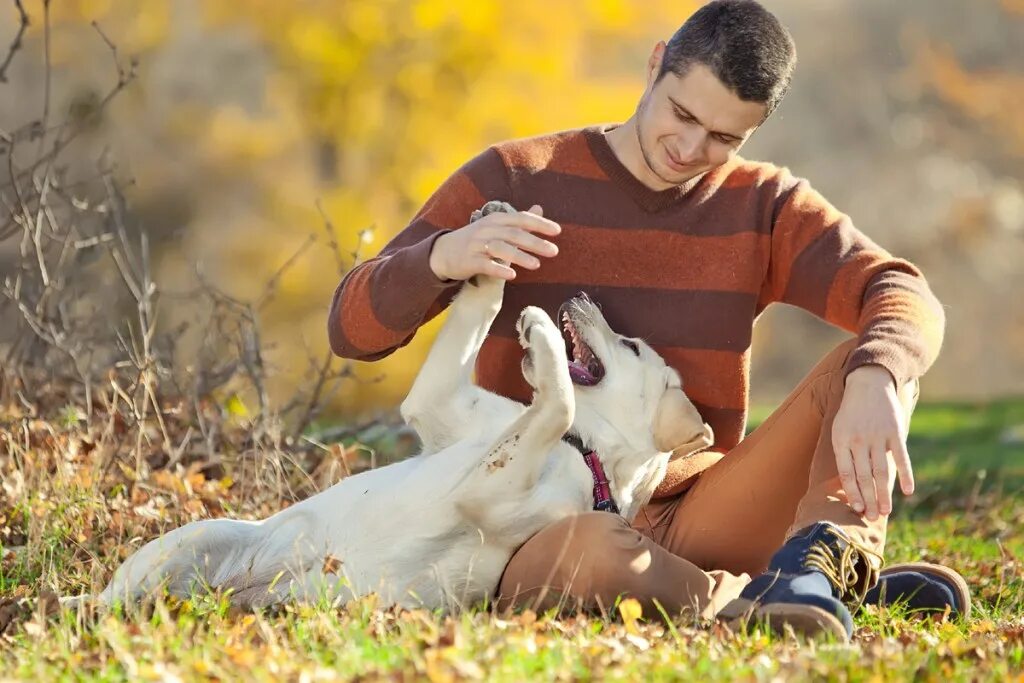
671 175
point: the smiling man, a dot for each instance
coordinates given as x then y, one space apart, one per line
684 243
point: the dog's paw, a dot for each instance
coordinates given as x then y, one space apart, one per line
545 350
544 365
534 321
493 206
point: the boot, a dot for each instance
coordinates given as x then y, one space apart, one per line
808 585
923 588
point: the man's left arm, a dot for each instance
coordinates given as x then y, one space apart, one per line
823 264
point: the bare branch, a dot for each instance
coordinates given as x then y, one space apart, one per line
332 236
271 287
23 17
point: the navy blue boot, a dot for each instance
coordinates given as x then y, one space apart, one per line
808 584
922 588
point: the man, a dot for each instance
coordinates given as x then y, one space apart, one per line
684 243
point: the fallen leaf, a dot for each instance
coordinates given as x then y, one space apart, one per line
631 611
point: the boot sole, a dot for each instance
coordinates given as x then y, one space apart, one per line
805 620
959 586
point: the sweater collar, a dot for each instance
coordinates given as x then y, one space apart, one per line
649 200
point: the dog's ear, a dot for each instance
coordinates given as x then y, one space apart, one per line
678 425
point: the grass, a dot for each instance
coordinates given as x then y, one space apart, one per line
67 516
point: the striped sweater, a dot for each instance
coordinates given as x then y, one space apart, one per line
689 269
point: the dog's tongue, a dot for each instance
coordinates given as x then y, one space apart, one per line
580 374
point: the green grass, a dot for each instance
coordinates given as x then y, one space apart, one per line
959 448
972 523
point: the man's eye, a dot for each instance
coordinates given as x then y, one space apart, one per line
631 345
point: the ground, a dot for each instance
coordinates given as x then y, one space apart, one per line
71 506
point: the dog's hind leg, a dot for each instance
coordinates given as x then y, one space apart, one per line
517 458
182 560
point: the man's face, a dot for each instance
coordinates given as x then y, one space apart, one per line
691 124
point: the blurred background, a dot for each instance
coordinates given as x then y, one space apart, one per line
252 122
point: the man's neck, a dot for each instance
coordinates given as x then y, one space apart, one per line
624 142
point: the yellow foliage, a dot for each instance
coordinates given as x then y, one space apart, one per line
366 106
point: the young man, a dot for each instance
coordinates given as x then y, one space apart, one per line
684 243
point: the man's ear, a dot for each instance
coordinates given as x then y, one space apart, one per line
677 423
654 62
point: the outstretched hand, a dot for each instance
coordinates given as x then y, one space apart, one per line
493 244
870 441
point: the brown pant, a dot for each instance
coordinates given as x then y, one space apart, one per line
695 552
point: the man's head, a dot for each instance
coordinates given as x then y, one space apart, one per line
720 76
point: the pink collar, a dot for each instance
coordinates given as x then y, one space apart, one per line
602 489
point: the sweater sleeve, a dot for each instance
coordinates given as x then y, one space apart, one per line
820 262
380 303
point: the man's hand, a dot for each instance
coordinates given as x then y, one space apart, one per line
509 237
869 438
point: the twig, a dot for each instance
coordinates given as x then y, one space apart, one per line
271 287
16 44
47 72
332 235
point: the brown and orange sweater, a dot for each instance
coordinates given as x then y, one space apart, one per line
689 269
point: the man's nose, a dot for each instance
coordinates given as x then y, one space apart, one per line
693 147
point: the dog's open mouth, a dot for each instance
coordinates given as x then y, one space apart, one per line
585 367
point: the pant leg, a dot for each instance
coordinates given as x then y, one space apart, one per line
779 479
589 560
726 527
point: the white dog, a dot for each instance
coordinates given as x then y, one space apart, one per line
437 530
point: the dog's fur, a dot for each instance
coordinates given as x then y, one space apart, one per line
437 530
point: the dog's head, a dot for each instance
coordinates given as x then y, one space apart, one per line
628 400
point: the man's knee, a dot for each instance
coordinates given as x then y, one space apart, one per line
573 557
908 395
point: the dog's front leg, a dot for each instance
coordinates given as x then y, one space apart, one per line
443 393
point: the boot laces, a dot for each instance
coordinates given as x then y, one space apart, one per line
841 570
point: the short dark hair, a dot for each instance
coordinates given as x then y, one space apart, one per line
743 44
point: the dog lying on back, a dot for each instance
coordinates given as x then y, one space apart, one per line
436 530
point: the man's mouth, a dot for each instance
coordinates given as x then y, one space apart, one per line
675 164
585 368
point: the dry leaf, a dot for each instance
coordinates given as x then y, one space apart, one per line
631 611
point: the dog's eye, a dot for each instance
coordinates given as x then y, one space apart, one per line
631 345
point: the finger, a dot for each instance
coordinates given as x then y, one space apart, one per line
880 472
865 481
903 467
528 221
510 254
490 267
537 209
844 463
527 241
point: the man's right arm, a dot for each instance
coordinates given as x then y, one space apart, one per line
381 302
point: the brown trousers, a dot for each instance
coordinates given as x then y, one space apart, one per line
696 551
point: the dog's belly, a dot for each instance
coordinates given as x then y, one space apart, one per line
395 531
409 533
